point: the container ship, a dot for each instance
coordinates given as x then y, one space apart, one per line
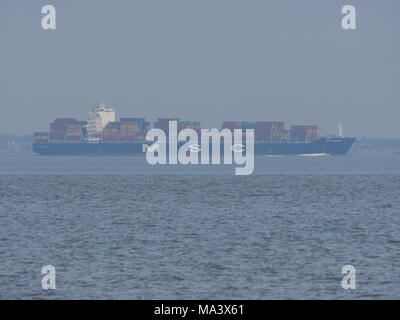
101 134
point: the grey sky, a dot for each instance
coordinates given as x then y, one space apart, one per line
207 60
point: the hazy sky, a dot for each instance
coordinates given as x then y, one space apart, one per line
207 60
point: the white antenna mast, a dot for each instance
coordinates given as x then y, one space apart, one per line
341 135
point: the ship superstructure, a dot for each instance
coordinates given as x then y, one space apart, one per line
98 119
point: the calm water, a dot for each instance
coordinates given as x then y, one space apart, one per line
114 227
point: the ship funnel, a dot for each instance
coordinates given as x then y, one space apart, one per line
341 135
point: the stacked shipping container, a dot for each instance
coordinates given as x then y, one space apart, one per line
132 129
163 124
303 133
232 125
195 125
143 131
111 131
274 130
128 130
243 125
269 130
59 127
41 137
76 131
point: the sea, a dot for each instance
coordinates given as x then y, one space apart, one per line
119 228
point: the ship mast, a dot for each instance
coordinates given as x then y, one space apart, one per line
341 135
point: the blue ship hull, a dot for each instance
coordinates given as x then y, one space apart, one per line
330 146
